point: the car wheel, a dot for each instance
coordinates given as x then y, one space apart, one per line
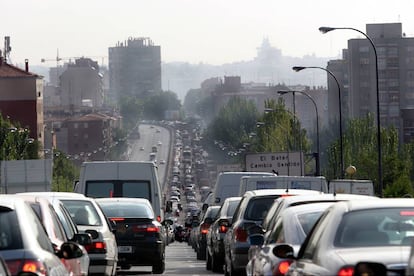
216 265
159 266
208 261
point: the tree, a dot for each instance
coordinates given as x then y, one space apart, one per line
156 104
131 109
231 127
360 150
64 173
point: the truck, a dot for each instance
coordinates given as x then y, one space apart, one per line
352 186
122 179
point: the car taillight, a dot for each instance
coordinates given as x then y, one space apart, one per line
240 234
346 271
19 266
146 228
159 218
282 268
204 228
96 247
223 229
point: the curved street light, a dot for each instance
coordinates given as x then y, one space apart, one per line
324 30
318 168
300 68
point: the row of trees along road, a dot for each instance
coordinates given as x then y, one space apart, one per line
234 130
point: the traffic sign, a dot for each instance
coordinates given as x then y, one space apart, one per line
281 163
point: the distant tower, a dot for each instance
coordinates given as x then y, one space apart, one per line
134 68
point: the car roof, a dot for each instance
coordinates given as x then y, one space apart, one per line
323 197
56 194
233 198
263 192
122 199
354 205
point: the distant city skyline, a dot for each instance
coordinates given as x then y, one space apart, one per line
213 32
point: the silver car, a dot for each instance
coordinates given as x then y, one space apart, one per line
353 231
103 252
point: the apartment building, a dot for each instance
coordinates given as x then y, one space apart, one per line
21 98
134 68
395 52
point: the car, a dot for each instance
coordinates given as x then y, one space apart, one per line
21 251
89 218
352 231
291 226
140 237
216 234
141 148
261 260
202 229
251 211
57 232
159 143
162 162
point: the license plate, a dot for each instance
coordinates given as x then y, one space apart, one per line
124 249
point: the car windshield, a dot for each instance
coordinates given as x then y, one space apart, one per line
392 226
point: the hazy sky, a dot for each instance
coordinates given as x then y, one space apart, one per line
208 31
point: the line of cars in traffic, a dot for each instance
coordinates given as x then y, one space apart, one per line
304 232
58 233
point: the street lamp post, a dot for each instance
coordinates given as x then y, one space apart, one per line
341 143
318 168
324 30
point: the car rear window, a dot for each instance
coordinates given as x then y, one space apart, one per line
83 212
10 237
257 208
126 210
117 188
377 227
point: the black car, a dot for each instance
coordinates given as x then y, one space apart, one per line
215 236
202 230
140 237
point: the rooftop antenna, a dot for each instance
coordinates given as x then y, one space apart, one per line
7 48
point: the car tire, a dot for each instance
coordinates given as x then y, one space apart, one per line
216 265
159 266
201 253
208 261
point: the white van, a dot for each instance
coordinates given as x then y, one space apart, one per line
122 179
352 186
228 184
317 183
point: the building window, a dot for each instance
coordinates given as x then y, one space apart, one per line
364 49
75 125
392 62
393 83
392 51
363 61
382 64
85 136
85 125
381 51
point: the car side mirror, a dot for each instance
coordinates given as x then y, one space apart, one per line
204 207
82 238
284 251
70 250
